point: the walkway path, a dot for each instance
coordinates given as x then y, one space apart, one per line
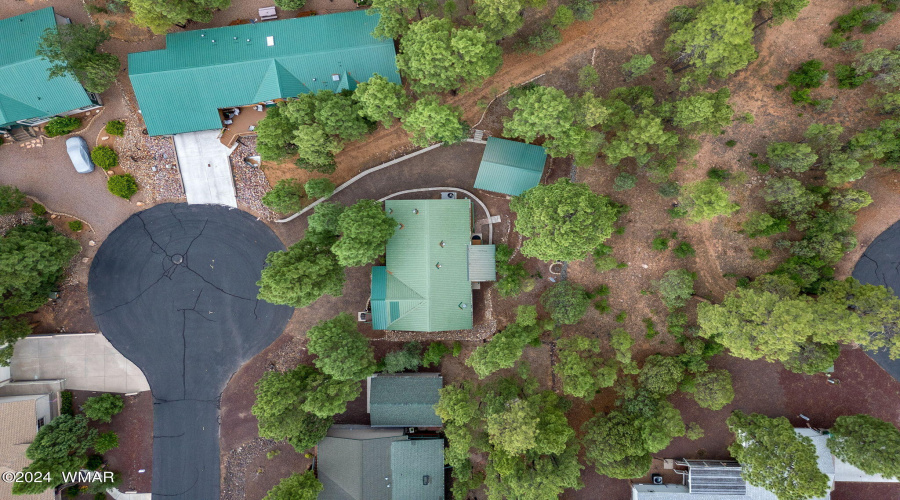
87 362
205 168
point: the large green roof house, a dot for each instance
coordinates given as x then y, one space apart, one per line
431 263
27 96
181 88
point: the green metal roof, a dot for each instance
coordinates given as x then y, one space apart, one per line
25 91
510 167
179 89
404 400
425 285
482 263
417 469
355 469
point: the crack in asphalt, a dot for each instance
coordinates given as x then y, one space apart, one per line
165 274
215 286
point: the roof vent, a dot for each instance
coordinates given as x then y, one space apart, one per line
390 211
335 78
270 41
416 211
438 265
400 226
442 244
463 305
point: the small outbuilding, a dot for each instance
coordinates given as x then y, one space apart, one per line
510 167
405 400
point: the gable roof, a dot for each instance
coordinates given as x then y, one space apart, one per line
18 427
510 167
179 89
417 469
404 400
25 90
411 292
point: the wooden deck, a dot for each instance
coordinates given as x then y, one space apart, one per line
241 124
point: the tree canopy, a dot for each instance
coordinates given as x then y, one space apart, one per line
505 348
285 197
713 389
582 370
563 221
343 352
381 100
160 15
102 408
282 407
71 50
365 230
430 121
567 302
708 199
767 447
438 57
868 443
296 487
301 274
676 287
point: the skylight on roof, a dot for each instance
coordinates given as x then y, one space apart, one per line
270 41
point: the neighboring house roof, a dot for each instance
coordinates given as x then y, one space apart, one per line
425 285
180 89
417 469
25 90
510 167
404 400
364 465
18 426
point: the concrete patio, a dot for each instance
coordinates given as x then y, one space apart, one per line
86 361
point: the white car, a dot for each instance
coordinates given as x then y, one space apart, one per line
80 155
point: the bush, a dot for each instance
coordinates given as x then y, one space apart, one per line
637 66
115 127
848 78
406 359
11 199
718 174
319 188
683 250
669 189
434 353
562 18
123 186
513 277
624 181
94 462
38 209
583 9
106 441
76 225
286 197
588 77
677 212
605 263
104 157
543 40
731 143
660 244
566 302
809 75
621 317
760 253
693 431
102 408
61 125
66 404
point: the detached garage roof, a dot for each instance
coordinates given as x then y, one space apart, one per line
404 400
180 89
510 167
25 90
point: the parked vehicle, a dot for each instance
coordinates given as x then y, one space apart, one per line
80 155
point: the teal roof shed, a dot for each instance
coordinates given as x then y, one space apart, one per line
26 92
404 400
180 89
424 285
510 167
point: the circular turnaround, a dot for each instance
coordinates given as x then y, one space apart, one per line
879 266
174 290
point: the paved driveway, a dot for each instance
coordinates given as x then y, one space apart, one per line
174 290
87 361
205 168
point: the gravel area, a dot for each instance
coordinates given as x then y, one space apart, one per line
153 162
250 183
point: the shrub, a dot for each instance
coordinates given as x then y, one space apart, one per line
588 77
512 280
621 317
38 209
605 263
718 174
562 18
76 225
407 358
676 287
677 212
319 188
760 253
123 186
848 78
602 306
102 408
660 244
638 65
731 143
66 405
61 125
434 353
543 40
809 75
624 181
286 197
834 40
106 441
693 431
115 127
11 199
683 250
94 462
669 189
748 118
583 9
104 157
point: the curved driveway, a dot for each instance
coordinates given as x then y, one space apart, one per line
174 290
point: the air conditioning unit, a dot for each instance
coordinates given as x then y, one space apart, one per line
448 195
362 317
657 478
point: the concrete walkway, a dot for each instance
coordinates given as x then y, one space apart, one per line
87 362
205 168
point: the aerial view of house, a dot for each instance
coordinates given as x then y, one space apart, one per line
502 249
